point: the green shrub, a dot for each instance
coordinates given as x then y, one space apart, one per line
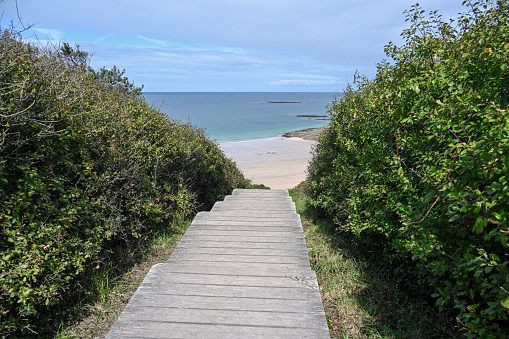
84 168
419 157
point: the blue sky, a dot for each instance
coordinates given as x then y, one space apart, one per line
227 45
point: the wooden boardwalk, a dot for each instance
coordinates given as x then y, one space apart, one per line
240 271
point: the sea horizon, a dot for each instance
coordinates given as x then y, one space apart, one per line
244 116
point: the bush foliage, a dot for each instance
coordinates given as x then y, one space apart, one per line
85 165
419 156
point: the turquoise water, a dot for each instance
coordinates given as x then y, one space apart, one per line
244 116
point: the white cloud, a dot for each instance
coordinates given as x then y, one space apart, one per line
49 33
224 44
156 41
103 38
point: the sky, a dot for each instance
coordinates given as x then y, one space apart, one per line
226 45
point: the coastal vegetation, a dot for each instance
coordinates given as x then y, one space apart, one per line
360 299
112 286
415 164
88 172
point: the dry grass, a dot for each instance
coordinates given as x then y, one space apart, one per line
111 292
362 297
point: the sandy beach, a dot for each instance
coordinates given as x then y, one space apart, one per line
279 163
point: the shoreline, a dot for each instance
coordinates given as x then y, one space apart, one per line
278 162
309 134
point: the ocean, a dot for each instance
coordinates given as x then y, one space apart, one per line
238 116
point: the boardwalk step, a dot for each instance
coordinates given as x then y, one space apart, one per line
240 271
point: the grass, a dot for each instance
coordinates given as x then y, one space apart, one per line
112 285
362 298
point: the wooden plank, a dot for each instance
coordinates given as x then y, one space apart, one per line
229 303
274 230
255 216
240 271
273 236
262 192
170 275
210 331
247 239
261 196
222 220
279 210
222 317
213 257
240 268
274 252
227 291
262 215
206 242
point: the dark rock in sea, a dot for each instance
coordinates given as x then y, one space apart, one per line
311 116
284 102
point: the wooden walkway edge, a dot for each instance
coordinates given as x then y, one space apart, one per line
240 271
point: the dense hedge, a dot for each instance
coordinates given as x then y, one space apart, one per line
84 167
419 156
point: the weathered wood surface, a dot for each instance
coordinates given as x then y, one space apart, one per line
240 271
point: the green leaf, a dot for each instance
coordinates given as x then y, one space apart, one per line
480 224
478 207
496 186
454 217
503 241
